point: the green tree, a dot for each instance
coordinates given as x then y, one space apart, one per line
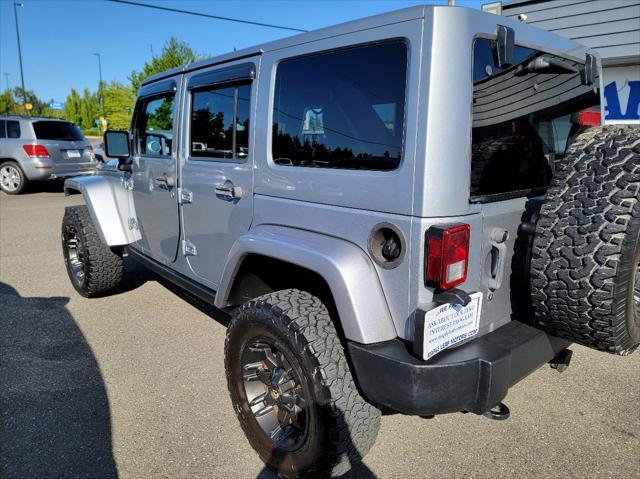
89 109
174 54
161 117
12 103
118 105
72 107
9 105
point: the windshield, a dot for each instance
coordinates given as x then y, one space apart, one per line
57 130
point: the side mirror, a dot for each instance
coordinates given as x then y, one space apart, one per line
505 41
117 145
589 70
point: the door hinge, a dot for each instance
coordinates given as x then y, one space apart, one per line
133 224
188 248
127 181
185 196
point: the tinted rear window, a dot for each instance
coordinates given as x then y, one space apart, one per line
342 109
13 129
521 123
57 130
9 129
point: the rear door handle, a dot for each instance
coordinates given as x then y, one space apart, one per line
227 191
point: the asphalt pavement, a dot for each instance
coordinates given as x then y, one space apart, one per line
133 386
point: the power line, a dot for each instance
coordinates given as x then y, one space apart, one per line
206 15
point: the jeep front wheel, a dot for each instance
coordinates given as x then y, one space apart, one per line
291 387
93 267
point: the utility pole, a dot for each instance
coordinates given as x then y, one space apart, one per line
100 92
6 79
24 92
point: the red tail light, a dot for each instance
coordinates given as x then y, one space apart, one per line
589 118
36 151
447 255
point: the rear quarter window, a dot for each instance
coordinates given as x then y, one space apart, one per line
57 130
13 129
342 109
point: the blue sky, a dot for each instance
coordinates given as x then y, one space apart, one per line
59 37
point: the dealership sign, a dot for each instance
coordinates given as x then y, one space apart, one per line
622 94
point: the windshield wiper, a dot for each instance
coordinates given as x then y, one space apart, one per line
545 64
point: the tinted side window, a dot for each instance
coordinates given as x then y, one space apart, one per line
13 129
342 109
3 128
521 121
220 122
56 130
153 128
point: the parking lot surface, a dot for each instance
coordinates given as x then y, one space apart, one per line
133 386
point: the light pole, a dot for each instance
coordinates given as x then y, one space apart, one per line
24 93
6 79
100 85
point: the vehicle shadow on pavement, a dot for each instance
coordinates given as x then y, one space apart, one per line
135 275
55 419
359 469
50 186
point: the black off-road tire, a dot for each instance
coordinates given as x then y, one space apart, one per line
21 178
586 250
342 426
99 270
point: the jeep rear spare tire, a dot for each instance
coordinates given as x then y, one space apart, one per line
585 283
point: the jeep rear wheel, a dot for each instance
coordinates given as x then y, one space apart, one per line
585 282
94 269
292 390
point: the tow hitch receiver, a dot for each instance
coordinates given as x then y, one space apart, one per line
499 412
561 360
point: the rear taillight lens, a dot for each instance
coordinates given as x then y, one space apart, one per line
589 118
447 255
586 118
36 151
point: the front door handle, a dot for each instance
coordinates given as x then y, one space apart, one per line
165 180
227 191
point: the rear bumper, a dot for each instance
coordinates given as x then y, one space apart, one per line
46 169
68 174
473 377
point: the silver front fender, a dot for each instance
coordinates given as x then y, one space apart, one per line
110 205
353 281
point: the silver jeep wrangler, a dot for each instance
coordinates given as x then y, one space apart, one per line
412 211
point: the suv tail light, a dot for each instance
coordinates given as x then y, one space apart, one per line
586 118
447 255
36 151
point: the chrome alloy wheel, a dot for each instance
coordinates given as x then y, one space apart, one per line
75 253
10 178
274 392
